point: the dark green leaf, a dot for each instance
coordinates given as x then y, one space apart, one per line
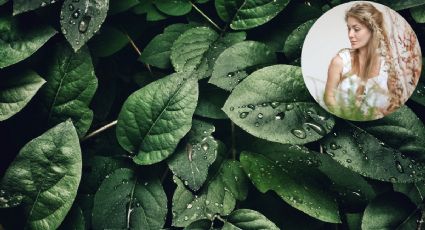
175 7
232 65
202 224
71 84
387 211
290 172
191 162
419 93
80 20
3 2
246 14
295 40
249 220
47 172
157 52
125 201
148 8
108 41
154 119
218 197
18 41
365 153
198 48
418 13
16 91
273 104
414 191
20 6
118 6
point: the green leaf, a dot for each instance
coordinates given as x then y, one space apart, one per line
148 8
418 13
71 84
108 41
199 225
74 220
80 20
188 50
20 6
232 65
191 162
18 41
198 48
352 147
218 197
125 201
47 172
16 91
154 119
118 6
290 171
413 190
401 5
273 104
175 7
295 40
211 100
157 52
387 211
246 14
3 2
249 220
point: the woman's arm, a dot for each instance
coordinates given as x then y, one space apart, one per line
334 77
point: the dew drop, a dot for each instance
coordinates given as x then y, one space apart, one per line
189 206
71 7
186 218
289 107
280 116
299 133
260 116
399 167
43 4
348 161
205 146
84 24
232 108
257 124
243 115
274 104
334 146
317 128
76 14
251 106
393 179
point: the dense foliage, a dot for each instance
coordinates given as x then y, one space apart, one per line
160 114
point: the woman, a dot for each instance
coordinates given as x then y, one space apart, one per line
362 82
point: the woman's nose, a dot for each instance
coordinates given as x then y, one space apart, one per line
350 33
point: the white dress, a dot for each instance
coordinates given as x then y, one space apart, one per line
376 95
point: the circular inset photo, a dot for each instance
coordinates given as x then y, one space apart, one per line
361 61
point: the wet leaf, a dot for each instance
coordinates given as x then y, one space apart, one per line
249 220
74 220
418 13
118 6
16 90
191 162
295 40
81 19
246 14
18 41
148 8
401 5
211 100
71 84
108 41
47 172
20 6
166 107
290 171
236 62
273 104
125 201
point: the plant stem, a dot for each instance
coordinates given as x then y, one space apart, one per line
233 140
99 130
206 17
164 175
137 50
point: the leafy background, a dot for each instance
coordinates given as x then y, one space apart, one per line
157 114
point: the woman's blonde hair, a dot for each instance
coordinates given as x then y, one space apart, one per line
378 46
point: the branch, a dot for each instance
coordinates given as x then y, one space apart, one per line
99 130
206 17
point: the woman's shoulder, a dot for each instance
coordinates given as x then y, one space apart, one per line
345 53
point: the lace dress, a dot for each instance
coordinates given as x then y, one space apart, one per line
375 98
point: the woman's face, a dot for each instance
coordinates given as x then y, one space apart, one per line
358 33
